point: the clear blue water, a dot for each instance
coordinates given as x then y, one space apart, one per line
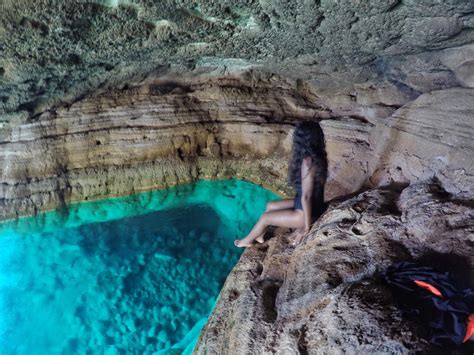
135 274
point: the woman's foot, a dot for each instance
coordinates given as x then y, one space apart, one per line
241 243
295 242
298 237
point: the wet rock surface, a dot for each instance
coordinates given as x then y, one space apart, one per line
326 295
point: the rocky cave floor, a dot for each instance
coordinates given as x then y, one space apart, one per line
326 295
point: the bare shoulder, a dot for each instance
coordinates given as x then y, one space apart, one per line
307 168
307 163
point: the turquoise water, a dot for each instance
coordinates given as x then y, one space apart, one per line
136 274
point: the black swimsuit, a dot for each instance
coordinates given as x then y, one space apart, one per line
317 204
297 204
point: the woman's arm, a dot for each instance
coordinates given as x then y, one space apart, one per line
307 183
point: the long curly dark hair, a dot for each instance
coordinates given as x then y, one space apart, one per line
308 140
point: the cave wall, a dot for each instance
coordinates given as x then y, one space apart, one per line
102 98
153 135
169 130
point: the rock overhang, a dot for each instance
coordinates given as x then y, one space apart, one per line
54 52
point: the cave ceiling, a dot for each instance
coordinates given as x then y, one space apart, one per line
53 52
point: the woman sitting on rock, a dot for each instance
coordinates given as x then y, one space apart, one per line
307 173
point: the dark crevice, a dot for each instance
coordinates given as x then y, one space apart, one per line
437 190
29 106
180 154
389 204
395 6
334 279
391 194
341 248
74 59
258 270
360 206
318 22
270 290
233 295
35 24
361 119
302 342
394 106
169 88
412 93
346 222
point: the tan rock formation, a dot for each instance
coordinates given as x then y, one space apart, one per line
326 295
428 136
166 131
155 135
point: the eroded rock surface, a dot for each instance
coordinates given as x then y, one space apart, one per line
326 296
152 135
54 51
102 98
160 132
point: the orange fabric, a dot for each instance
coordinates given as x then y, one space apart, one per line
429 288
470 328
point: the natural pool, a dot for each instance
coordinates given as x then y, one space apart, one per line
134 274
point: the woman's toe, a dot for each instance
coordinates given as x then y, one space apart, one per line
295 242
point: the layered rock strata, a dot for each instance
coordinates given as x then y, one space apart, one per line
160 132
154 135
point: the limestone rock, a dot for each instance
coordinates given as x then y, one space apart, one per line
56 52
160 132
428 136
461 62
152 135
326 295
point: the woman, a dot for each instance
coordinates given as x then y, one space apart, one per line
307 173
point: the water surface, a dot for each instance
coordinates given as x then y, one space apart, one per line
134 274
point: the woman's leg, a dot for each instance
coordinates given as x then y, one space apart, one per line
280 205
289 218
275 206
